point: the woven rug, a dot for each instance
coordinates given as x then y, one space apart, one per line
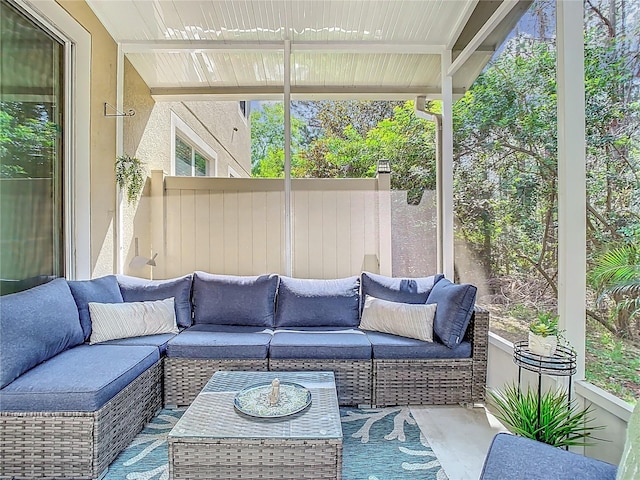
378 444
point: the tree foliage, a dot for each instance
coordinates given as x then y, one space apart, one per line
267 139
506 151
27 140
346 140
616 278
505 170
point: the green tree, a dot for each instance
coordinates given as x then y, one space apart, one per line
334 117
505 171
506 149
267 139
402 138
27 140
616 277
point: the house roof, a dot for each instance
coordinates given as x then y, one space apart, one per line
338 48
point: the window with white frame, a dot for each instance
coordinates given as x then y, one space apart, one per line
191 155
245 108
189 161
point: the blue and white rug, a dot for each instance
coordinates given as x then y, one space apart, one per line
378 444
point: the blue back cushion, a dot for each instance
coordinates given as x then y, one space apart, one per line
99 290
234 300
318 303
401 290
454 310
36 325
136 289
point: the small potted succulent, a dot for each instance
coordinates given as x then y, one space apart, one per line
544 334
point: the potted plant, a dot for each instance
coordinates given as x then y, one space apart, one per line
544 334
130 176
549 418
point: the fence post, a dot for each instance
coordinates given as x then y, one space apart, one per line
384 217
158 219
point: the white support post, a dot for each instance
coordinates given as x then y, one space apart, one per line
445 193
119 210
571 176
384 224
288 251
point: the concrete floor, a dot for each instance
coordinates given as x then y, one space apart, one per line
460 437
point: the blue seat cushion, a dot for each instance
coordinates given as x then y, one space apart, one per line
234 300
159 340
35 325
455 307
81 379
223 342
313 302
135 289
518 458
98 290
320 343
401 290
387 346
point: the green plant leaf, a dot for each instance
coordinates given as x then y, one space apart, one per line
560 424
130 176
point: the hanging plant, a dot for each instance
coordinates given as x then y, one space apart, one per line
130 176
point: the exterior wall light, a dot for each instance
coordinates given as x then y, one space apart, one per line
384 166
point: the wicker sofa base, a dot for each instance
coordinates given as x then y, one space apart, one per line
353 377
422 382
184 378
436 382
360 382
78 445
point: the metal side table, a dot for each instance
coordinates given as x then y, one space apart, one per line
561 364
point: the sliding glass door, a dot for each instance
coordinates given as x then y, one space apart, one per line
31 152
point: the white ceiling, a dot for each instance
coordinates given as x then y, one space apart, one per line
338 48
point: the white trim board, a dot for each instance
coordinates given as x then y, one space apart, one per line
78 110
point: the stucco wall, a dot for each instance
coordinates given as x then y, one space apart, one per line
102 137
148 136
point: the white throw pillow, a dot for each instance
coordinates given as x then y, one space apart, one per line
110 321
404 319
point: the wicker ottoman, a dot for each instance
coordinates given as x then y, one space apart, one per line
213 441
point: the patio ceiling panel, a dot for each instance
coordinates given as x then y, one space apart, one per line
340 48
155 70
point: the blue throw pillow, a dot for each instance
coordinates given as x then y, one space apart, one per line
318 303
400 290
98 290
136 289
454 310
36 325
234 300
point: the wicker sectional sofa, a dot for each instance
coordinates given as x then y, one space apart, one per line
67 407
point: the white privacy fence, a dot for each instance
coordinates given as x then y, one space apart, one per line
339 227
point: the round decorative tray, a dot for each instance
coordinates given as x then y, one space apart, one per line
254 400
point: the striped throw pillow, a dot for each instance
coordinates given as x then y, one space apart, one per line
110 321
404 319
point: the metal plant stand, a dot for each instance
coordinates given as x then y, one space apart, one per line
561 364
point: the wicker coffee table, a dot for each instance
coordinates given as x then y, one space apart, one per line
214 441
